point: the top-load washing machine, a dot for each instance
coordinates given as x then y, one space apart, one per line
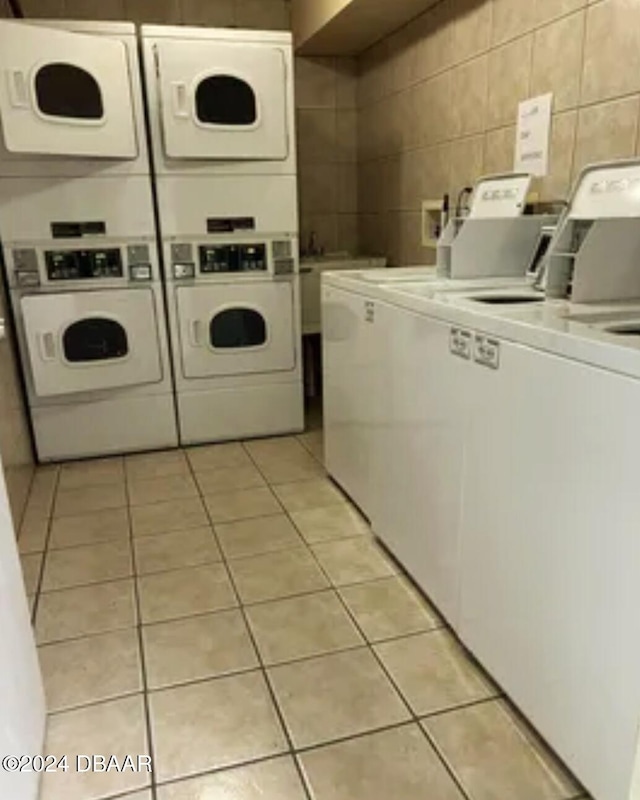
221 111
79 239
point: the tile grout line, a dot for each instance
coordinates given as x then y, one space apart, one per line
142 653
45 552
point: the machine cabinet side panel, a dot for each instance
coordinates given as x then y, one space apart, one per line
424 454
550 590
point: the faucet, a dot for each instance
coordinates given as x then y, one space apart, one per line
313 249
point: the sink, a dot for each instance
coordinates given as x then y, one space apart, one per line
506 300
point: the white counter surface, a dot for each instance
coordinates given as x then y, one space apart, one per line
548 326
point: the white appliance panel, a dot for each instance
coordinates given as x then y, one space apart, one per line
222 100
424 453
28 206
549 599
355 391
105 426
87 341
39 66
186 202
236 328
22 702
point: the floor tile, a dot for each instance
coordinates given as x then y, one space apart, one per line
175 515
95 472
301 627
144 795
334 696
229 479
89 498
273 448
275 779
302 495
84 611
184 592
433 672
388 608
144 466
115 728
494 754
91 669
313 441
255 536
31 567
332 522
218 456
95 563
157 490
32 537
277 575
214 724
98 526
42 489
200 647
245 504
352 561
175 550
398 763
302 467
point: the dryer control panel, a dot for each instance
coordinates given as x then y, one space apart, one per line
31 267
232 258
74 265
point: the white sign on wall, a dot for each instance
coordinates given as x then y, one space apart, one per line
532 138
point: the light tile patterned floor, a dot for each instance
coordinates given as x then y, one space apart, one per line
225 609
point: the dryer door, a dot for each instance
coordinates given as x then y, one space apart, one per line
231 329
88 341
65 93
223 101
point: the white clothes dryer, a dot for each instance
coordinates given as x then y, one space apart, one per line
79 240
234 311
221 112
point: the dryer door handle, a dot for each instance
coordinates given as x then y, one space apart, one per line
195 333
47 346
18 91
179 99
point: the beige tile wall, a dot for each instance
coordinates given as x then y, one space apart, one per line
437 102
326 100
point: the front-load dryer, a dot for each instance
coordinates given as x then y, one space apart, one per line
79 239
222 122
221 111
234 309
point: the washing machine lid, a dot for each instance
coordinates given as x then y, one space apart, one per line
222 100
91 341
236 329
65 93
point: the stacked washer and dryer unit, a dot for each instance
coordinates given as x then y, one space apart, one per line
80 244
79 240
221 110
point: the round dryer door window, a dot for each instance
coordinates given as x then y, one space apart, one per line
226 100
69 92
95 339
237 328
